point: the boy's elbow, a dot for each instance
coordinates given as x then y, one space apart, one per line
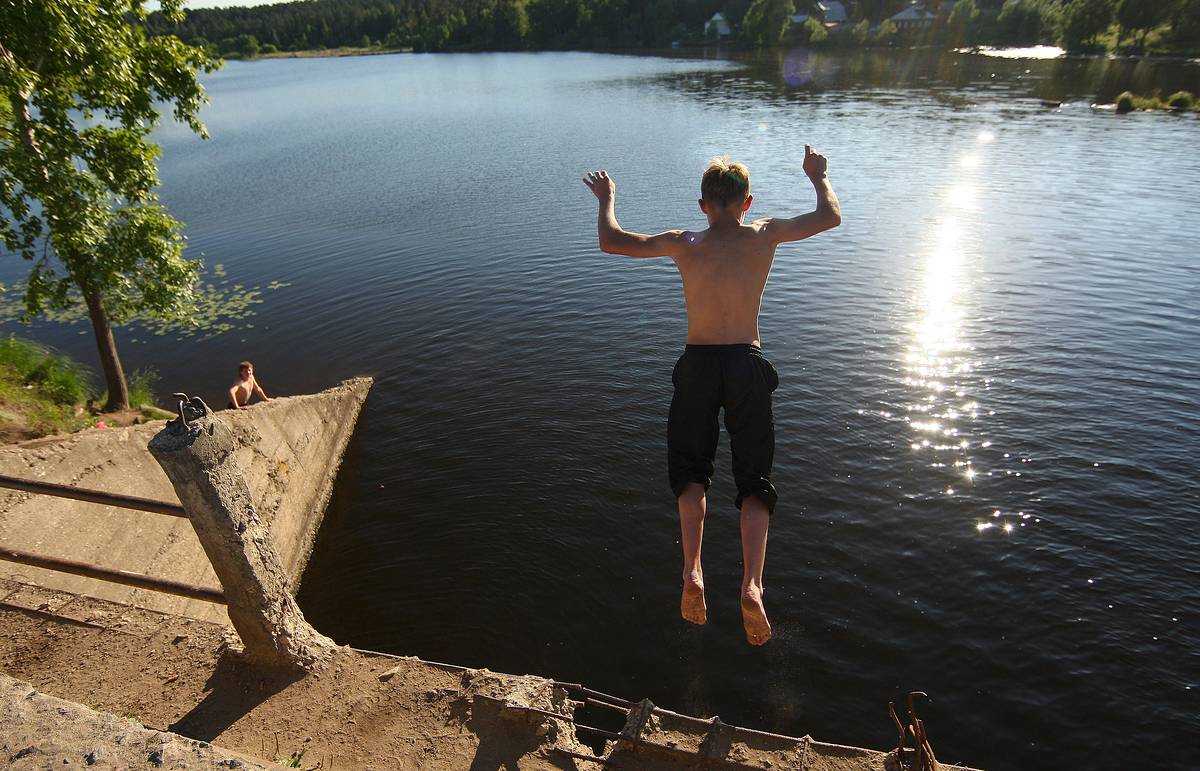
609 243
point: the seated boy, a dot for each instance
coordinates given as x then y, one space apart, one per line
244 387
724 270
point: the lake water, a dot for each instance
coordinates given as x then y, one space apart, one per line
989 403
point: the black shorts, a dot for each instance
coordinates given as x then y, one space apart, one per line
740 379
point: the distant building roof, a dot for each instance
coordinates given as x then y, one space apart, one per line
833 11
913 14
722 25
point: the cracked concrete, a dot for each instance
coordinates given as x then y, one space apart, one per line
289 450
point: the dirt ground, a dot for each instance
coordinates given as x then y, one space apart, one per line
359 710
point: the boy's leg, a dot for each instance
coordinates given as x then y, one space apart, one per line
750 379
692 433
755 519
692 504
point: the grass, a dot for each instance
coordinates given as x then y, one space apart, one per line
1180 101
40 390
141 385
45 392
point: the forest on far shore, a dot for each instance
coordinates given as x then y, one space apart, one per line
1124 26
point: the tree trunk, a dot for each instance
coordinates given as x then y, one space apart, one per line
114 376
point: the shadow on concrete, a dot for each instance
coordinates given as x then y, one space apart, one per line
234 689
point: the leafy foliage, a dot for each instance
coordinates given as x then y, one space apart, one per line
962 16
1140 16
80 81
436 25
1185 24
1084 21
766 21
1028 22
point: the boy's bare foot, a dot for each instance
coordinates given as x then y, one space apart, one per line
691 604
754 617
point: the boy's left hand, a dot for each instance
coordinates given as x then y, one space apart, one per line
601 184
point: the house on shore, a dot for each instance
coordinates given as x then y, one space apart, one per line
717 26
915 16
833 13
828 13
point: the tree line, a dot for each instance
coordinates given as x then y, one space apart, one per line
510 25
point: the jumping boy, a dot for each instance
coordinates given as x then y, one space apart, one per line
724 270
244 387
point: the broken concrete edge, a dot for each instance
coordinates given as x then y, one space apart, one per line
658 730
199 460
359 387
39 731
288 450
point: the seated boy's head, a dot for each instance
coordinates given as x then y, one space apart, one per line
725 190
245 369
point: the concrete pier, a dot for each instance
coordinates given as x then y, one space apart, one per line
289 451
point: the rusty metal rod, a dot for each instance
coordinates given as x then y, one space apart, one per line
115 576
93 496
605 704
600 732
581 756
736 729
596 694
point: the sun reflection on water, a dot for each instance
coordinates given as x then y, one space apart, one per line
938 360
940 364
945 378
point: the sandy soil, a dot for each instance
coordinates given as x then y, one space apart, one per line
359 710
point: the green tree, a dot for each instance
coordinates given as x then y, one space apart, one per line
963 15
885 34
1143 15
1185 24
1084 21
766 21
511 24
247 46
1025 22
79 80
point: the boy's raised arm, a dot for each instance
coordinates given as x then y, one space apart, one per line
613 239
828 213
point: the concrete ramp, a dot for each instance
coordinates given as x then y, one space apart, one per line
290 449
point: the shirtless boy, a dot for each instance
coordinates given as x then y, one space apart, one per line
245 387
724 270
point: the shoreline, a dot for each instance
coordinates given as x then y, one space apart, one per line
981 49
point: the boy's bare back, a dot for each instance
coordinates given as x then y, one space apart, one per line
725 267
724 272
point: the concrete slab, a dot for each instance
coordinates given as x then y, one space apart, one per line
41 731
290 449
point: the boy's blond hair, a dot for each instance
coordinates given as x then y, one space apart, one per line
725 182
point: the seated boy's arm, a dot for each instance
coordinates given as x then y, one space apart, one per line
828 213
615 240
233 399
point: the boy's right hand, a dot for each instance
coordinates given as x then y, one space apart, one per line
601 185
815 164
